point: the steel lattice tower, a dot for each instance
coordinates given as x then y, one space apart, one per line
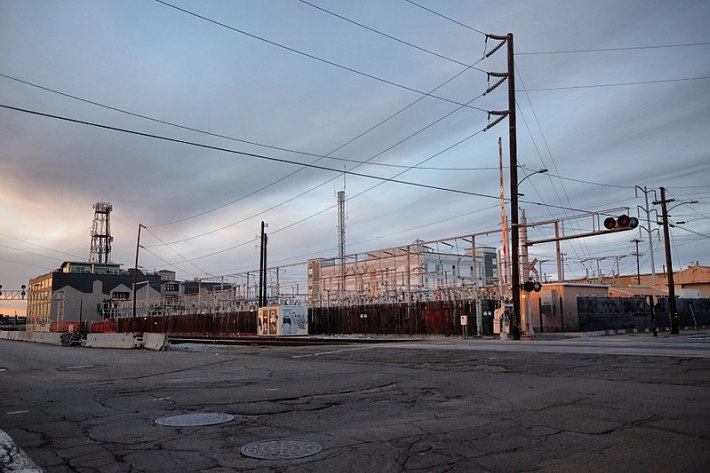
101 233
341 239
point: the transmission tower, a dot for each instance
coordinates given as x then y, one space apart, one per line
101 233
341 239
341 224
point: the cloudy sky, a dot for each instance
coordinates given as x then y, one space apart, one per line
610 95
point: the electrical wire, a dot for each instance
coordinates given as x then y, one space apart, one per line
226 137
357 137
311 56
241 153
253 155
584 181
394 38
582 245
617 84
174 250
446 17
23 263
251 142
40 246
335 177
399 232
30 252
628 48
301 194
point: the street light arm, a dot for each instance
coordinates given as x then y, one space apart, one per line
687 202
539 171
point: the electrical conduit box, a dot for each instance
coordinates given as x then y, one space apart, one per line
282 321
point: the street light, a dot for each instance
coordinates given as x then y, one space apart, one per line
539 171
527 322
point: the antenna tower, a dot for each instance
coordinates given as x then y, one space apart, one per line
341 239
101 233
341 224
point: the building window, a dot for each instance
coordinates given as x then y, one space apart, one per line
120 296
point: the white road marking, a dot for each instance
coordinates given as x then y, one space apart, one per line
12 413
307 355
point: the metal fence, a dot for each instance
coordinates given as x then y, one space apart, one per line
635 313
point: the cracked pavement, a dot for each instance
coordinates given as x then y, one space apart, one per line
429 406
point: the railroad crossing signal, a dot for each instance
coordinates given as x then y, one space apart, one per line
530 286
622 221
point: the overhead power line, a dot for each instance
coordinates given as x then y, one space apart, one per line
242 153
173 250
617 84
226 137
316 58
583 181
394 38
285 161
603 50
257 156
301 194
446 17
40 246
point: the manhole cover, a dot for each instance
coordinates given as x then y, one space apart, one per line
194 419
280 449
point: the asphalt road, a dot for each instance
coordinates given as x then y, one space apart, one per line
610 404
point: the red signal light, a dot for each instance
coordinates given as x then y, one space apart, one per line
622 221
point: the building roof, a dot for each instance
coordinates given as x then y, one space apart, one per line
632 291
693 275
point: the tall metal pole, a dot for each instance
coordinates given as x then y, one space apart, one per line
526 323
135 269
672 312
266 246
648 231
260 302
503 217
638 267
650 239
558 253
514 226
341 244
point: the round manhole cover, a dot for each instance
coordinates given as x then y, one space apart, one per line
280 449
194 419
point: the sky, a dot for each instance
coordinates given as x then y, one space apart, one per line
200 120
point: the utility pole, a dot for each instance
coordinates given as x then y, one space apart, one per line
513 147
672 312
638 268
514 226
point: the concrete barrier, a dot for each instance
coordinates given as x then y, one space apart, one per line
51 338
25 336
112 340
155 341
